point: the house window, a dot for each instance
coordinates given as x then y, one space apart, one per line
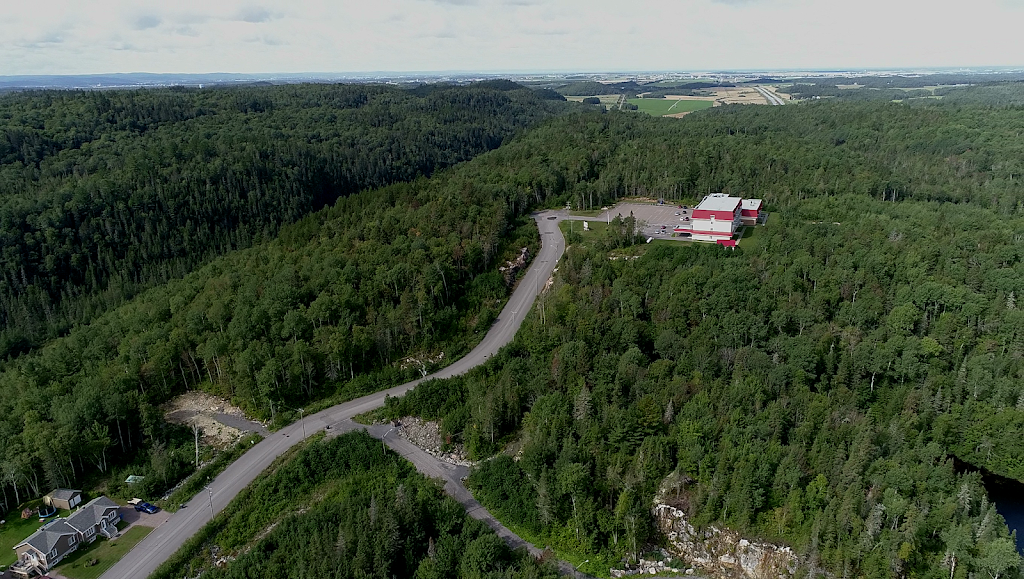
53 553
88 532
71 540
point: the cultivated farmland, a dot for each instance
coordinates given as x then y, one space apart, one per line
665 107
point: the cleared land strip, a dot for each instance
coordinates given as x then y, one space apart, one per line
769 96
169 537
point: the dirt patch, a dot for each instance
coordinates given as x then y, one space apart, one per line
221 423
680 97
682 114
733 95
427 435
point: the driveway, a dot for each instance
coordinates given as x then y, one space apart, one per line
132 517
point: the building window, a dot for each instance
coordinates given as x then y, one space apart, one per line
71 541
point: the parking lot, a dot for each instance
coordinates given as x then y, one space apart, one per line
656 220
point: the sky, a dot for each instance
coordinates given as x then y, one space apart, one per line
198 36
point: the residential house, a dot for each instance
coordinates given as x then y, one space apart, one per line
50 544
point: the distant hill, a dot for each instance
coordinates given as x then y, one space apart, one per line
589 88
108 192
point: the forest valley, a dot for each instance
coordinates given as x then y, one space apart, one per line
810 388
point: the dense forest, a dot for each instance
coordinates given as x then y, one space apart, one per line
346 508
812 387
327 310
104 193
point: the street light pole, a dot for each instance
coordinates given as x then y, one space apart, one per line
576 569
210 490
301 411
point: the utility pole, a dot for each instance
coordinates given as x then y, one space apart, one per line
210 490
195 431
302 422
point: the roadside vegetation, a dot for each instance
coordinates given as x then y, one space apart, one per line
346 507
207 472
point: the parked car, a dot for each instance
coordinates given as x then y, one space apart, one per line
145 507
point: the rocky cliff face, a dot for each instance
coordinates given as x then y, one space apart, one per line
722 553
511 268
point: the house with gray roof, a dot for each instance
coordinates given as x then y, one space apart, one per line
45 548
97 517
50 544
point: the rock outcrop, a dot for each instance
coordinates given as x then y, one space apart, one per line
511 268
722 553
427 435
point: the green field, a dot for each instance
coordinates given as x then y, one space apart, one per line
661 107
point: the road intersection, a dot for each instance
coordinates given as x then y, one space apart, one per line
163 542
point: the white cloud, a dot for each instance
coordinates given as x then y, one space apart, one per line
254 14
146 22
61 36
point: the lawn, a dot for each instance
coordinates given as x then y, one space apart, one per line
16 530
661 107
597 230
104 551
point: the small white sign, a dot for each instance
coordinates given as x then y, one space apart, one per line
586 226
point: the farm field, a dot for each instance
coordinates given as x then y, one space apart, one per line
663 107
679 81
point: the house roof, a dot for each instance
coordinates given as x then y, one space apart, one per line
751 203
63 494
46 538
89 514
719 202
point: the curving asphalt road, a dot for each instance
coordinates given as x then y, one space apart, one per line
163 542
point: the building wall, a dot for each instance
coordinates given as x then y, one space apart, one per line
706 229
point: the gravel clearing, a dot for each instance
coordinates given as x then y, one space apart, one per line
221 423
427 435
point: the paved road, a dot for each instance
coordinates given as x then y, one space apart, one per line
772 98
166 539
452 476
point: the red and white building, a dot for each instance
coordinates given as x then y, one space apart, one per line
715 218
750 211
718 216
